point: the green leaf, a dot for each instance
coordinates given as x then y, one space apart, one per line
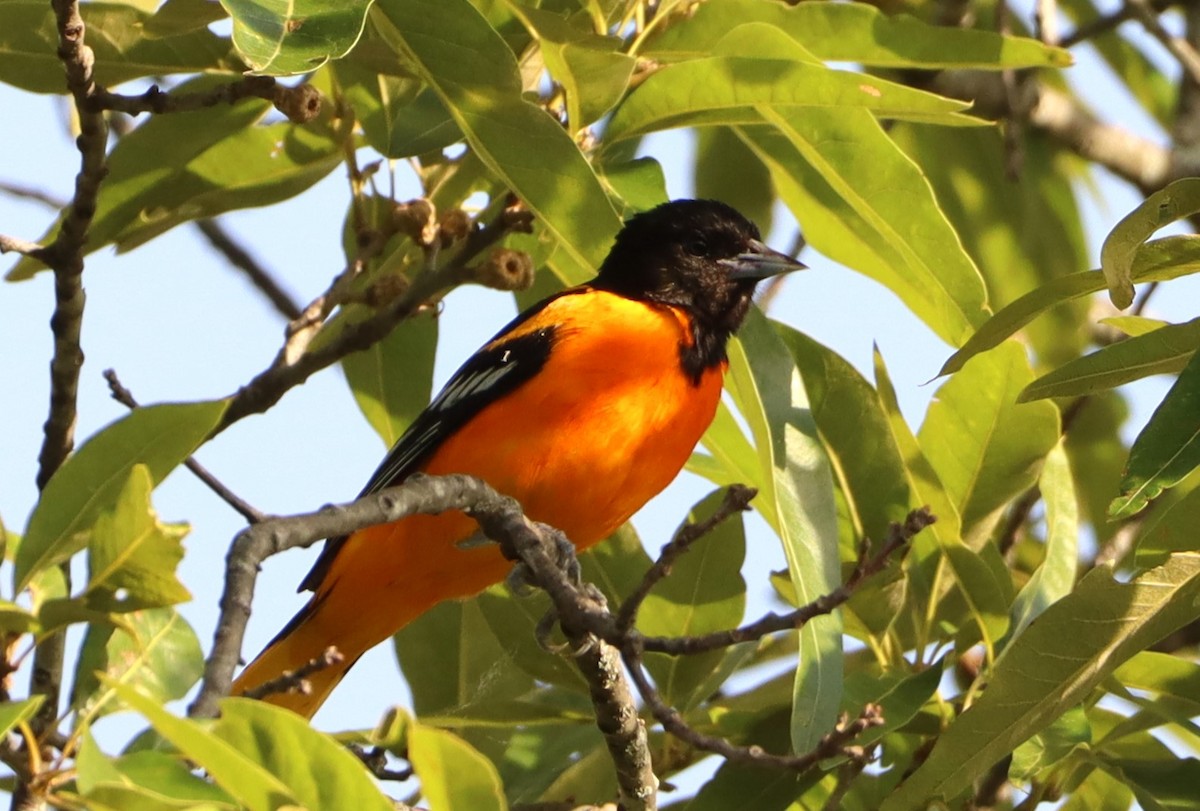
453 774
131 556
1134 325
392 380
451 660
902 695
121 36
150 780
727 170
159 437
796 499
1054 578
318 771
1160 260
865 203
985 594
854 32
1090 632
154 651
705 592
985 447
513 621
1163 674
639 184
16 620
1045 749
1099 792
857 435
13 713
1171 530
591 69
240 773
733 460
734 90
1167 449
1159 785
1162 351
1178 200
1020 235
399 118
284 37
454 49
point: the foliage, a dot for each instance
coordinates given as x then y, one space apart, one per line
1009 660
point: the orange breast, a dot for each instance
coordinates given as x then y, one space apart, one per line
607 424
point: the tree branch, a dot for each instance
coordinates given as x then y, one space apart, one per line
269 386
125 397
300 104
241 259
1145 164
1184 53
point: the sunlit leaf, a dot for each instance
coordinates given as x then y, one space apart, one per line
1090 632
462 57
986 447
131 556
318 772
1054 578
283 37
154 651
159 437
796 499
854 32
1179 199
453 775
1159 260
240 773
14 712
591 69
1167 449
731 90
1161 351
863 202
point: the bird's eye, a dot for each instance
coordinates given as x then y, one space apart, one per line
696 246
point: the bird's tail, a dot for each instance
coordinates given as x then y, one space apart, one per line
302 641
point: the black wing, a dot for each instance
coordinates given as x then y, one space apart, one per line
488 375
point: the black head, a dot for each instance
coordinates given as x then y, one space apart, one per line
698 255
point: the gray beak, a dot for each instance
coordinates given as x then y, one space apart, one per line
760 262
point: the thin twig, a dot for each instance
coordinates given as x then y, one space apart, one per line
1178 47
867 565
296 681
737 499
125 397
30 193
265 389
240 258
22 246
1045 22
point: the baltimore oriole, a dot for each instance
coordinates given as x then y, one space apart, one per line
583 408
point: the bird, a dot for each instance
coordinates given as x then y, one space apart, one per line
583 408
